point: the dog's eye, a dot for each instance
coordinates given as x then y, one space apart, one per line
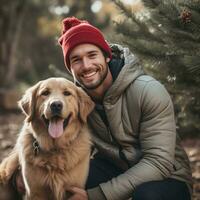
66 93
45 93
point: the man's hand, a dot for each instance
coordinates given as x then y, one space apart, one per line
78 194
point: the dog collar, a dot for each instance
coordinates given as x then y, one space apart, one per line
36 147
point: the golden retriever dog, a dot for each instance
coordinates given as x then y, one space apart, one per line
53 147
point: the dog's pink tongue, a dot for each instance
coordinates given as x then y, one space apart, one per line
56 128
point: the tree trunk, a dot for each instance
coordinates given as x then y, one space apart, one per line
11 68
11 20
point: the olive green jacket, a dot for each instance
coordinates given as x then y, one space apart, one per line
141 121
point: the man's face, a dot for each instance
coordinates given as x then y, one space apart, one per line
88 65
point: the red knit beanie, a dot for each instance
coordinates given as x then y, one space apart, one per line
77 32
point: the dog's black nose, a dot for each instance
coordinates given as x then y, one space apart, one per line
56 107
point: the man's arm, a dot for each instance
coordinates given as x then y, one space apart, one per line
157 139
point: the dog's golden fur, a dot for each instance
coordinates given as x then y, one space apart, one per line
62 160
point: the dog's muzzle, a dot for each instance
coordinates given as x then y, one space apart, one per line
56 122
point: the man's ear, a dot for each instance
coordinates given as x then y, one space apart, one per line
28 101
107 60
85 103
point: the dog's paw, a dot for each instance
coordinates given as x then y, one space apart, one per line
3 177
5 172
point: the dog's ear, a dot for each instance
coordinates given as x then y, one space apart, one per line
28 101
86 105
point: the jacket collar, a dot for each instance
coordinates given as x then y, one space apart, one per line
127 73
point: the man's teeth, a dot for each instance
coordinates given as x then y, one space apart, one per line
87 75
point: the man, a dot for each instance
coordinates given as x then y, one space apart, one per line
137 152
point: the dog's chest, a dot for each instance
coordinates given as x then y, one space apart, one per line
51 162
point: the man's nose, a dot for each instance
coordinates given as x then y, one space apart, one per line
86 62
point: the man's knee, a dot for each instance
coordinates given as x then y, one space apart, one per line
146 192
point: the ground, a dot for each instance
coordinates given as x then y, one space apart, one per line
10 124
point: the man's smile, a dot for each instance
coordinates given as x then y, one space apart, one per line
89 74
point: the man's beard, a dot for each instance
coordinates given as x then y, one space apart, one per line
96 84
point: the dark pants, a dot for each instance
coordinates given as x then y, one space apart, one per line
168 189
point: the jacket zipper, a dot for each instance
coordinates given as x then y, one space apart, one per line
120 149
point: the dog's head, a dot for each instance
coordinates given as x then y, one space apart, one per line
54 104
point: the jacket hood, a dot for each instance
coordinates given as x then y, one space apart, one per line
127 74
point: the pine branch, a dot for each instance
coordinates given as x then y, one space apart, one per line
196 17
191 4
162 15
147 47
192 63
124 10
183 35
171 33
152 4
130 29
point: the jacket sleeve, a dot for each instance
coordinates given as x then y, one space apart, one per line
157 135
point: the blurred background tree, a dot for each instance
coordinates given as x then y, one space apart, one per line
165 35
29 33
11 18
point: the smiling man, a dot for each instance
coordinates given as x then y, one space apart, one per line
90 69
138 151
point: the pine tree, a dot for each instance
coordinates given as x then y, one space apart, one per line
166 37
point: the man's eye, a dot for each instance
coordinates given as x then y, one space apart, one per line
66 93
75 60
45 93
92 55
